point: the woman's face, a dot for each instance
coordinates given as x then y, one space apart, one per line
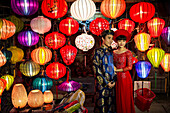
108 40
121 43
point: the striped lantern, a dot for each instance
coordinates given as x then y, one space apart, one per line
9 79
126 24
2 85
166 35
112 8
2 59
7 54
165 63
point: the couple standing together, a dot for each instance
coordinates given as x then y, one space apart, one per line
114 93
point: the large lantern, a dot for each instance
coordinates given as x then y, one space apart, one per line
155 56
142 41
55 70
48 96
69 26
28 38
55 40
98 25
2 59
165 63
112 8
166 35
41 55
126 24
9 79
83 9
142 12
54 8
2 85
25 7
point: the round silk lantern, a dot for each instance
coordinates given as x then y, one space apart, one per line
165 63
69 26
143 68
112 8
28 38
142 12
7 54
142 41
42 83
155 56
25 7
55 40
68 54
35 98
19 96
7 30
155 26
166 35
40 24
2 59
54 8
98 25
55 70
126 24
29 68
41 55
83 9
48 96
2 85
9 79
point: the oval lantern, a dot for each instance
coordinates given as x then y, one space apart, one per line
2 59
142 41
25 7
7 54
54 8
126 24
165 63
69 26
155 26
84 42
83 9
155 56
9 79
68 54
55 70
166 35
112 8
19 96
48 96
98 25
42 83
41 55
2 85
29 68
28 38
40 24
55 40
142 12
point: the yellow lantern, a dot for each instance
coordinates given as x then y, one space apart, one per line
9 79
19 96
48 96
142 41
2 59
166 62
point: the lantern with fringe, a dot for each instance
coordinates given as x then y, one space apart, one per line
7 54
126 24
165 63
9 79
2 85
48 96
166 35
2 59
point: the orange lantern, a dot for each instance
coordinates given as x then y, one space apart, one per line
2 85
126 24
48 96
2 59
165 63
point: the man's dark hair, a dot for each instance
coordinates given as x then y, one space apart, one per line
121 37
107 32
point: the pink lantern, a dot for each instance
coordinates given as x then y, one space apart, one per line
126 24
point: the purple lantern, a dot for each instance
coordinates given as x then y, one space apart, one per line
25 7
28 38
166 35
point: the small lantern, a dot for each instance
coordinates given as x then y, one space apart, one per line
9 79
2 59
7 54
126 24
48 96
166 35
165 63
2 85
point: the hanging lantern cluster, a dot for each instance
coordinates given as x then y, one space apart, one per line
7 54
2 85
2 59
126 24
166 35
165 63
9 79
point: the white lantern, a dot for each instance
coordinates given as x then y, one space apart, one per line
84 42
83 9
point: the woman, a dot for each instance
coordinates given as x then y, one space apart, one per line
123 62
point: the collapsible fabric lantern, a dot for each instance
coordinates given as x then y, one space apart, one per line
41 55
155 56
40 24
2 85
83 9
9 79
68 54
166 35
7 30
143 68
2 59
155 26
42 83
69 26
28 38
55 40
142 41
7 54
98 25
19 96
29 68
126 24
48 96
112 8
54 8
165 63
25 7
55 70
142 12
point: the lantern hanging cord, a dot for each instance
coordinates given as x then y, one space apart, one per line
85 28
41 37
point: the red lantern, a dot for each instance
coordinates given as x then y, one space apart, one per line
98 25
126 24
69 26
142 12
55 70
165 63
156 26
54 8
55 40
68 54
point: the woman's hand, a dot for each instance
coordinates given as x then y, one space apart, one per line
117 70
110 84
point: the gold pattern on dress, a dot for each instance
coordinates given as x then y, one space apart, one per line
107 76
104 68
101 102
105 93
105 59
100 80
109 100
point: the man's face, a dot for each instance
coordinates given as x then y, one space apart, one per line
108 40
